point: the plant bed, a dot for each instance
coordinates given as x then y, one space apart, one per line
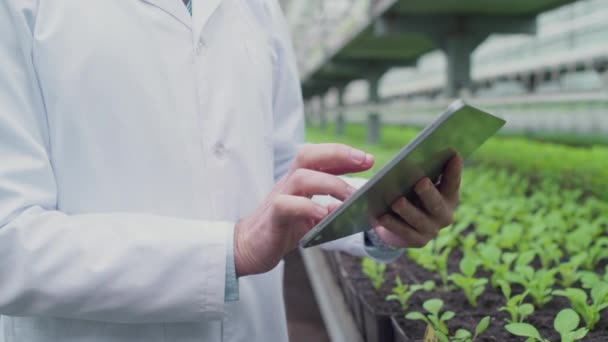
375 309
512 239
529 249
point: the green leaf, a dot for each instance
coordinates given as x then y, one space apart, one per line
599 293
468 266
579 334
433 305
589 279
523 329
448 315
505 287
416 316
566 321
575 295
398 281
441 337
525 258
428 285
462 334
482 325
525 310
392 297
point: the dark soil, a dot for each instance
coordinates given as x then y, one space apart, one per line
466 316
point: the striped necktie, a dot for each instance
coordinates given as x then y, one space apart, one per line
188 5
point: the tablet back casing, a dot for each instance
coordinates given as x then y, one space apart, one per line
461 129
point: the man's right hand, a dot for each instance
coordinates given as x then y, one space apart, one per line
288 213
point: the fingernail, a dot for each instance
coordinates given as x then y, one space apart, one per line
423 185
320 211
357 156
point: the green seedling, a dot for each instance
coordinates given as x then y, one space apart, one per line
468 243
596 253
374 271
580 239
538 283
434 257
587 238
524 258
515 306
487 226
566 324
525 330
548 252
590 279
579 300
433 318
472 287
568 271
493 259
403 292
510 236
463 335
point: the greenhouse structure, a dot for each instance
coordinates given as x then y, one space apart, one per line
526 257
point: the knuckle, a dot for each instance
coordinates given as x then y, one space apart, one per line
339 183
298 212
332 184
301 153
298 178
386 221
338 149
340 152
279 206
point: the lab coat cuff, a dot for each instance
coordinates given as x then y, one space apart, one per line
378 249
231 289
213 290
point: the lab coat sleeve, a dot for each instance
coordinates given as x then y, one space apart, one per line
289 126
113 267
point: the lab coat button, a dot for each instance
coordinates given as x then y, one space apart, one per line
200 46
219 150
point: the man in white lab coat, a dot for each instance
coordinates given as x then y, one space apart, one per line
149 159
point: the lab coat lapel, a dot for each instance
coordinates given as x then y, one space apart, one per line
202 10
175 8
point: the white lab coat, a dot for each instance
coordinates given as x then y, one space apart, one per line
132 137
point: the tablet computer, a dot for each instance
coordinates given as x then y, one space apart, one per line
460 129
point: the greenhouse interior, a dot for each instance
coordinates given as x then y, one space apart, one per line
303 170
526 257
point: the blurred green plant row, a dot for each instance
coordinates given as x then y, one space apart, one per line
532 225
572 167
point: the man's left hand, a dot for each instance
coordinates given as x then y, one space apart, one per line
412 226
